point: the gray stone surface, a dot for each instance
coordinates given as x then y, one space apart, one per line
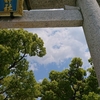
91 26
54 18
71 7
49 4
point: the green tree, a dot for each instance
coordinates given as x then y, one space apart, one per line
92 89
16 81
71 84
91 96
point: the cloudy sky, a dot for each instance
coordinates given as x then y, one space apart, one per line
62 44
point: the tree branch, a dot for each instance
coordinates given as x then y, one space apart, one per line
1 92
1 78
15 63
5 98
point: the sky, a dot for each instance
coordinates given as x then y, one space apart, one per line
62 44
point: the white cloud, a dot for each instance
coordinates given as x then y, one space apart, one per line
61 44
39 98
33 66
40 80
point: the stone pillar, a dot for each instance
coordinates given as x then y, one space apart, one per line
91 25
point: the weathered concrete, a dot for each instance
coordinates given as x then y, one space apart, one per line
91 26
49 4
54 18
71 7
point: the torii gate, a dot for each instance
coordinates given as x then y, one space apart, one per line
84 13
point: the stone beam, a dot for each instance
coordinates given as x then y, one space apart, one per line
49 4
91 25
39 19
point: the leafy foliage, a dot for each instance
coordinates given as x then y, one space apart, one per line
91 96
71 84
16 81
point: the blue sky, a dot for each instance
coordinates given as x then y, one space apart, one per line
62 44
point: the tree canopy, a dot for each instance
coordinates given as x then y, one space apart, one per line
71 84
17 82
